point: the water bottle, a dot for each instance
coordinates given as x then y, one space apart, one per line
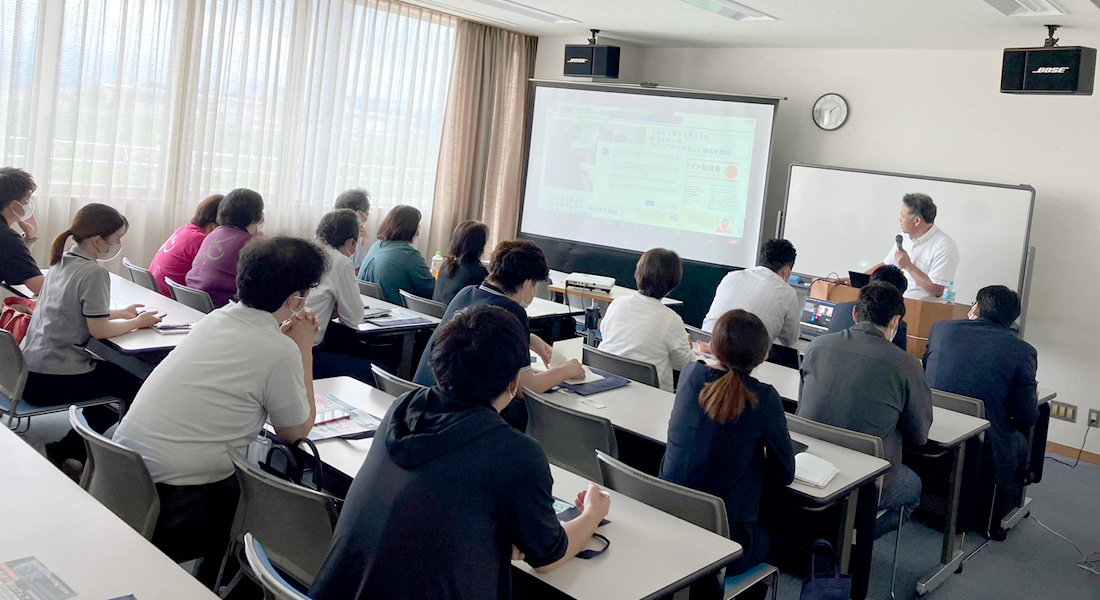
437 264
949 293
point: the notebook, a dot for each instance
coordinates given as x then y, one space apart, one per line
813 470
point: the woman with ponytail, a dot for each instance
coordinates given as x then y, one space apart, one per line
728 432
74 307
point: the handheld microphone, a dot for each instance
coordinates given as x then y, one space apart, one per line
897 239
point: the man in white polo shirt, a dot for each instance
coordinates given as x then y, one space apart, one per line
928 256
763 290
243 365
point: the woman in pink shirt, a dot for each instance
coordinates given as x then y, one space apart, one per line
175 256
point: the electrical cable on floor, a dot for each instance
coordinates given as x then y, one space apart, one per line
1079 452
1087 562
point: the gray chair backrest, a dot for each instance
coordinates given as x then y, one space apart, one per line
296 523
392 384
370 289
423 305
860 442
636 370
958 403
118 478
196 299
693 506
141 276
275 587
697 335
569 437
13 371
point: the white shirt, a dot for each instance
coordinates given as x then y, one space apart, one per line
641 328
234 371
763 293
934 253
337 290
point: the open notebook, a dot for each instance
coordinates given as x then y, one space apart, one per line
813 470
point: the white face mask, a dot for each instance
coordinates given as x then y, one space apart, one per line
112 251
22 211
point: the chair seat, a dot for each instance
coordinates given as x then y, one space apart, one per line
28 409
736 584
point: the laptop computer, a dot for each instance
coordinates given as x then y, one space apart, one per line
817 316
859 279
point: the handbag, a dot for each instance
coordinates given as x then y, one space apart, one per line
299 463
835 586
15 317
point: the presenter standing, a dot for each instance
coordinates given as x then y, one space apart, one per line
927 255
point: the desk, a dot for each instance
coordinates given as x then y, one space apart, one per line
405 334
77 538
557 317
652 553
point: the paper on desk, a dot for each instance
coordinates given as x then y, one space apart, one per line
560 358
813 470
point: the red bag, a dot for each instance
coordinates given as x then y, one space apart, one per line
15 317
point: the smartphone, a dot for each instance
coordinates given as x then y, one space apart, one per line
568 512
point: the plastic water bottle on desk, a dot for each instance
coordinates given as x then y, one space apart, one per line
949 293
437 264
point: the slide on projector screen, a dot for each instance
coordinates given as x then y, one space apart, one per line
637 171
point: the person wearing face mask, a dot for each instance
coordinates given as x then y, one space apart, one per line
393 263
514 273
74 307
358 200
859 380
338 296
214 270
17 266
241 366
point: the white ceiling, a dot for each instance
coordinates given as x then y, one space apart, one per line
932 24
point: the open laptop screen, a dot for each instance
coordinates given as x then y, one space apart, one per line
817 314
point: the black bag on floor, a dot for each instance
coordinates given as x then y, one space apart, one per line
299 464
834 586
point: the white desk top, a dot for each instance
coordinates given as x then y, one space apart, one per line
542 308
77 538
649 548
557 279
855 468
370 303
124 293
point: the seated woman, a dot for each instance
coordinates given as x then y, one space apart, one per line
463 266
393 263
214 271
641 328
337 296
174 258
728 432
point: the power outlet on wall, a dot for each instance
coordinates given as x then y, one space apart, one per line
1063 411
1094 418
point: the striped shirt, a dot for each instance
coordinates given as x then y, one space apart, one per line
763 293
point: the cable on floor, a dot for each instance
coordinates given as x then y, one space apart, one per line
1079 452
1089 561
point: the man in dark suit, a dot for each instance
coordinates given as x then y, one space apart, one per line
844 315
983 359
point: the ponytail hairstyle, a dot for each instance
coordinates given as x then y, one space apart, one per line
467 245
740 342
90 221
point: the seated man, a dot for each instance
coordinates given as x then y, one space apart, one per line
242 365
983 359
844 315
857 379
449 493
763 290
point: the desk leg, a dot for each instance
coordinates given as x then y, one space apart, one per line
951 557
405 367
859 565
1013 518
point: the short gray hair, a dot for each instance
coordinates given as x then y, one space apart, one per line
355 199
921 205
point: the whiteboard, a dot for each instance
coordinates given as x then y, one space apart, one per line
845 219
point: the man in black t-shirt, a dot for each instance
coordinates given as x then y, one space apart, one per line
17 267
449 493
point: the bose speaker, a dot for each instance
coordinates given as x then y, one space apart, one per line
1057 70
588 60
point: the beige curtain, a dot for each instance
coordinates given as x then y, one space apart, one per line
481 159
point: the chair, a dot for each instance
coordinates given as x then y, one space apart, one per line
118 478
962 404
697 335
568 436
141 276
275 587
423 305
196 299
370 289
13 378
860 442
695 507
296 522
636 370
392 384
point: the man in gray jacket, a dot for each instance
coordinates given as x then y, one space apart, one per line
859 380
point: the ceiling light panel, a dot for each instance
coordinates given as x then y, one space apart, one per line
730 10
528 11
1026 8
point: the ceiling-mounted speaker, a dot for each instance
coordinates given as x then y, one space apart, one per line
1058 70
592 60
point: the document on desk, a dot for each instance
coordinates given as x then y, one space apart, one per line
813 470
559 358
28 578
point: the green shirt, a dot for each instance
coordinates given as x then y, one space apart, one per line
397 266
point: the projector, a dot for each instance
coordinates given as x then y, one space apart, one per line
592 283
